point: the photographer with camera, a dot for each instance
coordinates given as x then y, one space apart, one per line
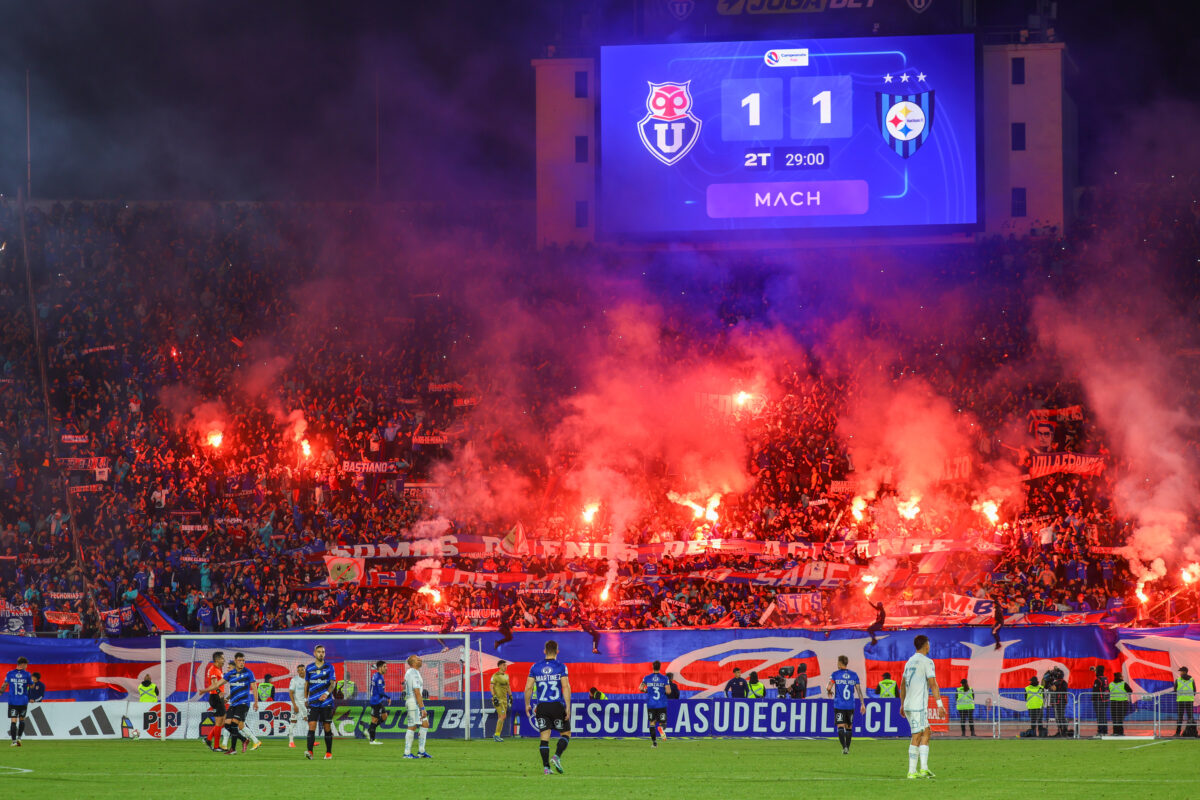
800 685
780 681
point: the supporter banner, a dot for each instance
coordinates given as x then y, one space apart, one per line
1043 464
1070 413
435 439
445 387
814 574
910 547
345 570
806 603
843 487
74 438
15 619
956 469
83 463
69 596
373 467
105 348
416 578
193 528
85 488
725 717
463 402
115 620
62 618
701 659
959 604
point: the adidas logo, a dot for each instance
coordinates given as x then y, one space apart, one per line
36 723
94 725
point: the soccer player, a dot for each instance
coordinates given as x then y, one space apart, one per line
319 677
918 682
214 678
414 700
843 684
655 686
297 693
16 684
501 697
379 701
242 689
548 694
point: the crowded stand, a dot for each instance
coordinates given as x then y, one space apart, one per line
211 448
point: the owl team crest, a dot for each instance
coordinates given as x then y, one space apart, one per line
905 120
669 129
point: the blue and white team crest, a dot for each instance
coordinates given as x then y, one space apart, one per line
669 129
905 120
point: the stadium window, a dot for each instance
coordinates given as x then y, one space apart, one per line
581 82
1018 202
1018 71
581 213
581 147
1018 137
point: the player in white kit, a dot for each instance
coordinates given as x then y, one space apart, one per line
418 717
915 689
298 694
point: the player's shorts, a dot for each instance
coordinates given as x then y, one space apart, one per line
413 718
17 712
238 713
320 714
843 716
218 704
917 720
656 715
379 710
501 704
552 717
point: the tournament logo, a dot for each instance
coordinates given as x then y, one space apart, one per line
905 120
681 9
669 129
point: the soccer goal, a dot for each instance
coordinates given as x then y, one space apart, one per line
450 672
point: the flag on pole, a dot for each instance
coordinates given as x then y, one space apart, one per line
155 618
516 543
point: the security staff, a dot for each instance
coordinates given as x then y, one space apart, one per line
147 691
1034 700
1185 700
887 686
1100 700
757 690
964 703
596 694
266 689
1118 703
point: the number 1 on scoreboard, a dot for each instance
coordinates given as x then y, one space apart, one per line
821 107
752 100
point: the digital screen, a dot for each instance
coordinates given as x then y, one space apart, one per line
806 133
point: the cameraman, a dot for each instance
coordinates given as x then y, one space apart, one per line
800 685
1100 700
780 681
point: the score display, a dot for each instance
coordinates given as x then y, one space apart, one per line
876 132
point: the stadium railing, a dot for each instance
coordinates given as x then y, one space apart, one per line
1143 714
986 717
1013 718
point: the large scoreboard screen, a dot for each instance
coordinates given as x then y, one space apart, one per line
716 137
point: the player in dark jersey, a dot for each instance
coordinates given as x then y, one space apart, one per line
379 700
242 692
842 686
320 678
655 686
548 695
16 684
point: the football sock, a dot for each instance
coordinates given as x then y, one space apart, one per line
408 740
21 729
923 751
12 731
849 736
328 741
654 733
312 739
371 731
215 736
248 733
912 758
544 749
421 734
233 733
561 747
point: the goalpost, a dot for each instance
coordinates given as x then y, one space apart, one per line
447 671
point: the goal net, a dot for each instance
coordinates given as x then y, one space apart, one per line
450 672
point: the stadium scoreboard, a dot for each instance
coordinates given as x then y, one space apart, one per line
870 133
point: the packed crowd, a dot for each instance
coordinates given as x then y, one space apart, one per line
200 402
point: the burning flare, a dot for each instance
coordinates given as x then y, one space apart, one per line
909 508
215 438
870 581
1141 595
433 593
857 506
742 398
604 593
707 512
1191 573
589 512
306 448
989 509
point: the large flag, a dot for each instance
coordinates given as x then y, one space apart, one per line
516 543
155 618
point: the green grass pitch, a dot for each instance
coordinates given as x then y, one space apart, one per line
610 769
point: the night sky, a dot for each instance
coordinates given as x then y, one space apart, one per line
276 100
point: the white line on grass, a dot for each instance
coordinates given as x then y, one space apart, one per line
1140 746
14 770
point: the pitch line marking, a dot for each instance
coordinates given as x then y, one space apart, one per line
14 770
1151 744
